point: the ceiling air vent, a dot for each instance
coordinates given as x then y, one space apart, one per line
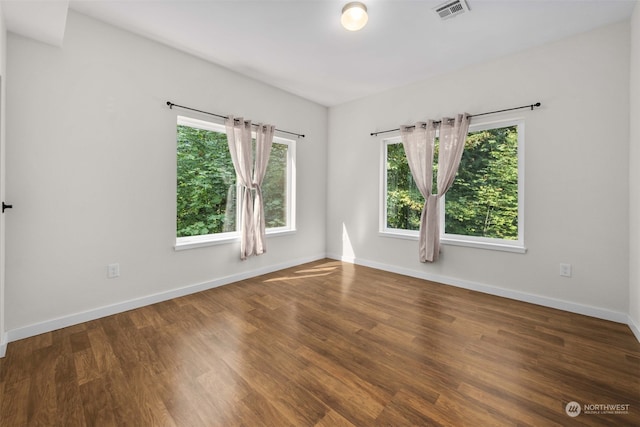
451 8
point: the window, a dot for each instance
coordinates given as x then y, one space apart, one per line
207 211
484 206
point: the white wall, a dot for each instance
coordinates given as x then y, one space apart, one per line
576 199
92 171
634 175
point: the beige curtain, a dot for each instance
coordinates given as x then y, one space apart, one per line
418 142
250 177
419 145
264 140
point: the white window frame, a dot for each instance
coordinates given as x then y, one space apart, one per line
517 245
189 242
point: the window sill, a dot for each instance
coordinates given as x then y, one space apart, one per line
484 245
185 243
400 234
494 246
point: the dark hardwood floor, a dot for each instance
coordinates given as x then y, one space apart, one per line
326 344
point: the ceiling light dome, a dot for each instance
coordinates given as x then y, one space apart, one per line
354 16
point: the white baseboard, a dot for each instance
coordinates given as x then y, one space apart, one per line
634 328
85 316
587 310
3 345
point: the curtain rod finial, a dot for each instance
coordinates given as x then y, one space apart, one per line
170 104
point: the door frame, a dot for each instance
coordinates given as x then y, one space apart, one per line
3 334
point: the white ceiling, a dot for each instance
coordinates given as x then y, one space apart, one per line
38 19
299 45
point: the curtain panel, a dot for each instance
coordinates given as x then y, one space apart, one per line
264 141
419 145
250 176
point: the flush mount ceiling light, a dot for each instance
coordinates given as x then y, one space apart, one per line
354 16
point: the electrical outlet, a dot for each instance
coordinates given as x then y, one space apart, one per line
565 270
113 270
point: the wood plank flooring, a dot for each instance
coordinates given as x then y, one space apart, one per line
326 344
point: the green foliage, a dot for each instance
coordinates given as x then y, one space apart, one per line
483 200
206 183
404 201
274 187
206 195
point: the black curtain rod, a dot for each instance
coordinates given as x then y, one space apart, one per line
171 105
532 106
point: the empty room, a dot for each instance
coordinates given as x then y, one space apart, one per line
319 213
